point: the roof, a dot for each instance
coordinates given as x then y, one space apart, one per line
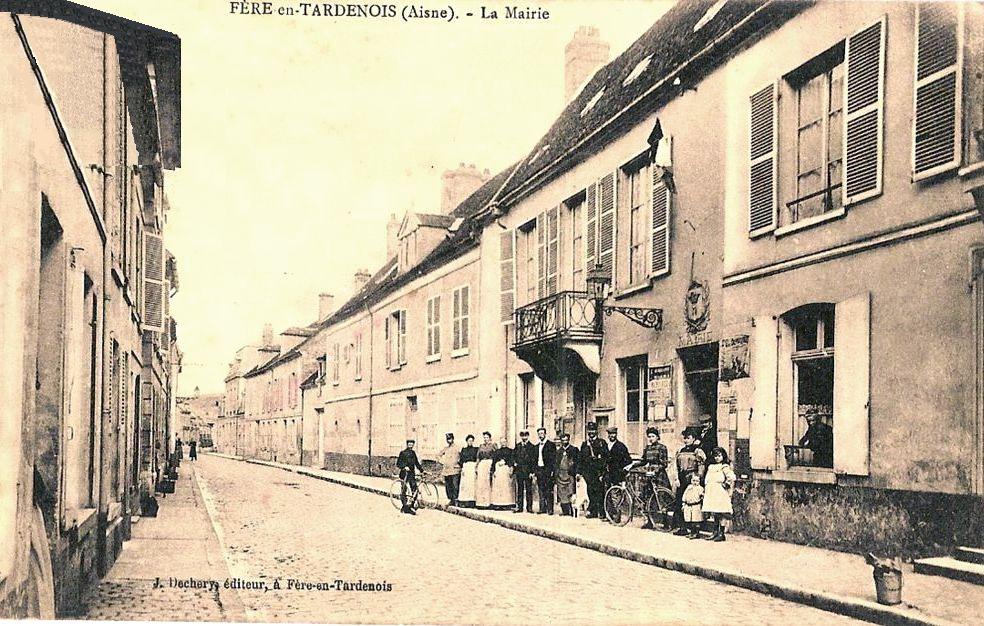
628 89
290 355
434 221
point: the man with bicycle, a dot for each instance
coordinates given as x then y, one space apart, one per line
408 464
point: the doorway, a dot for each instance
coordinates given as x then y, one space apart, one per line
700 369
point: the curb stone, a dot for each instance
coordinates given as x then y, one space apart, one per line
833 603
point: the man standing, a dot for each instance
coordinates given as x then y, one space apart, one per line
619 459
525 459
591 465
566 474
450 468
408 465
706 437
546 460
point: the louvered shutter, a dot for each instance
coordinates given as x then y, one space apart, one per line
507 275
936 120
402 339
553 249
864 109
456 320
852 341
465 306
166 335
762 432
541 255
606 223
591 227
388 336
762 161
660 263
153 269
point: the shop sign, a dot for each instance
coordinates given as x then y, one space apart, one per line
696 339
659 392
733 358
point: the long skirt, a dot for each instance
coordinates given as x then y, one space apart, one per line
565 487
483 483
466 488
502 488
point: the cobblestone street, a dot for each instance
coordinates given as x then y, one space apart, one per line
276 526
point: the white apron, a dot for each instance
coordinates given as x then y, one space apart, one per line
483 483
502 486
466 488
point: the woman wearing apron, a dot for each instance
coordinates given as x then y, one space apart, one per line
483 479
502 468
467 459
566 474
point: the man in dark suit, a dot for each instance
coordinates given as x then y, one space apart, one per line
545 464
565 474
618 458
408 464
592 461
525 461
819 437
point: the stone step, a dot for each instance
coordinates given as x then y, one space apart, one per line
951 568
970 555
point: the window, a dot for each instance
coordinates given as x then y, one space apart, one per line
576 207
358 356
335 363
434 328
460 315
322 369
635 186
819 102
813 386
396 339
634 382
528 233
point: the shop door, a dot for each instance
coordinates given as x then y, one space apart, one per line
584 391
700 367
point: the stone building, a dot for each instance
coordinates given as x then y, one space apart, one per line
89 119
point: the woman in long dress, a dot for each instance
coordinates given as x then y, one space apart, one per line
483 478
503 460
468 460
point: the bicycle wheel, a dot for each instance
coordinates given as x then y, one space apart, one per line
396 489
618 505
659 508
426 496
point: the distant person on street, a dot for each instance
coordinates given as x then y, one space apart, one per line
592 460
483 478
819 437
546 461
178 449
619 459
688 462
408 464
192 450
524 461
719 481
450 468
566 474
468 459
503 460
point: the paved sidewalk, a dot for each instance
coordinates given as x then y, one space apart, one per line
834 581
149 580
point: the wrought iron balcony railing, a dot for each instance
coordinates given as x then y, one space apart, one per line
564 315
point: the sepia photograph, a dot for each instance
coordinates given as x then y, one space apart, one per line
579 312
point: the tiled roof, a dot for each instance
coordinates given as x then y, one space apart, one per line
434 221
290 355
629 87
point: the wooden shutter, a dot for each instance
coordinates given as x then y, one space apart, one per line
465 308
936 119
606 223
864 109
507 275
402 338
762 161
851 383
660 258
762 436
153 280
590 227
388 336
553 249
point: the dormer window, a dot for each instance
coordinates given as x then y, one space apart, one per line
709 15
593 101
637 71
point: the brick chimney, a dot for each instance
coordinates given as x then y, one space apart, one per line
326 305
583 55
460 183
267 334
362 277
392 230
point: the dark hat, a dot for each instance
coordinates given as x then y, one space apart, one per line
524 433
591 427
613 430
692 431
449 436
705 417
652 431
411 441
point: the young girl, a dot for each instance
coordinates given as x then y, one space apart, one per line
718 484
693 495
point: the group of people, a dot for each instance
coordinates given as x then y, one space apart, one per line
495 476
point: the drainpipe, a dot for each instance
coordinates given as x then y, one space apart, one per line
102 497
371 345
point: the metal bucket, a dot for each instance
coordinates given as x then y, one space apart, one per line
888 587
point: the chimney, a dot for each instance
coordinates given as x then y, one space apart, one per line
326 305
460 183
583 55
392 230
267 334
362 277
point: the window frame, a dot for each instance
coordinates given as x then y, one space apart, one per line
461 321
637 173
432 328
634 368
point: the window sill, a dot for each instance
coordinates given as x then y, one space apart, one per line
459 353
809 222
79 518
971 170
820 476
434 357
633 289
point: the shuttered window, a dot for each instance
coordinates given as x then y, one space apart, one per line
358 356
936 119
762 433
336 358
660 257
591 227
552 236
507 275
434 326
153 281
852 344
541 255
864 110
606 223
401 342
460 316
762 161
388 341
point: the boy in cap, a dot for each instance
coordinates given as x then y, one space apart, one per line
408 464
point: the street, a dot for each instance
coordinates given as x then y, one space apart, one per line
435 567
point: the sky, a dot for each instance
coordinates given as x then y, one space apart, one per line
302 135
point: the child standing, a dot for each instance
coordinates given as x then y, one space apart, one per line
718 484
692 514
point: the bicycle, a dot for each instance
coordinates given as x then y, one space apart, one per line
424 495
623 499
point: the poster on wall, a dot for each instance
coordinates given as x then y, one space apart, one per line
733 358
660 391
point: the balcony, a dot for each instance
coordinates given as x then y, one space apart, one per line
559 333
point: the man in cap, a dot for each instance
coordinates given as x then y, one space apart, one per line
408 464
706 435
525 461
450 468
619 459
591 466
